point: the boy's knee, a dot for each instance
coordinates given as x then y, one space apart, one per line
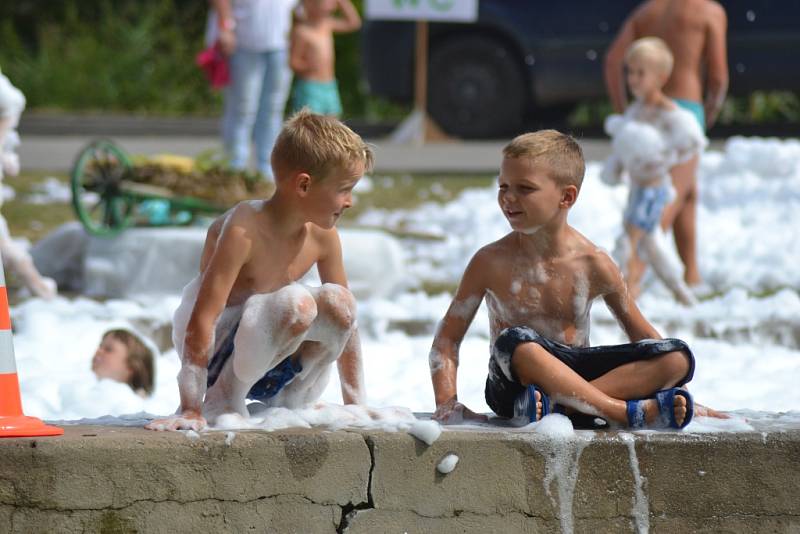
675 366
338 305
292 309
298 316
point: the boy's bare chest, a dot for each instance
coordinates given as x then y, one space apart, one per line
275 265
553 301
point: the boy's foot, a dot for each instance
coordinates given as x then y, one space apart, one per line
669 408
531 405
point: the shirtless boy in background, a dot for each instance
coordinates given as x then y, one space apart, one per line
244 328
311 53
695 32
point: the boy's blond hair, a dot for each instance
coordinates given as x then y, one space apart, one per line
559 152
652 49
318 144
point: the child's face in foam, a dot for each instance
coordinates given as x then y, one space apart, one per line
644 76
330 196
528 196
111 360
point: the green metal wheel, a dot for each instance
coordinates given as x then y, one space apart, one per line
97 195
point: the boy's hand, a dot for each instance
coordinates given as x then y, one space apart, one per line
705 411
453 412
188 420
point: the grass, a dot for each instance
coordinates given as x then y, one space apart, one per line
29 220
389 191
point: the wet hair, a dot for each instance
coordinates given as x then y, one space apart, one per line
140 360
654 50
318 144
559 152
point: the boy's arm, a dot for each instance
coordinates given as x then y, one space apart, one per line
613 68
716 63
350 365
227 259
227 24
297 51
443 358
349 21
616 296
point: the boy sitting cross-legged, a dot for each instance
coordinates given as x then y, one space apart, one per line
539 282
245 329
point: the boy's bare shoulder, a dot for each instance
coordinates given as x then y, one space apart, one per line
495 253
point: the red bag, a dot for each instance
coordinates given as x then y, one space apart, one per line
215 65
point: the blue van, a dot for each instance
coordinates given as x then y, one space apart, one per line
526 57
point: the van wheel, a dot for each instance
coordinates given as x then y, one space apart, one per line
476 88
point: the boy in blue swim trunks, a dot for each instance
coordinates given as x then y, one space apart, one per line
311 53
245 329
539 282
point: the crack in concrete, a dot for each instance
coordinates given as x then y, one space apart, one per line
176 501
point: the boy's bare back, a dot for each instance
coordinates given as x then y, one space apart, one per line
692 29
695 31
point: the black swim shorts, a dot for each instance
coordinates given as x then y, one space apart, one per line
502 386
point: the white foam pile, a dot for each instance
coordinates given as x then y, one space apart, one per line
746 339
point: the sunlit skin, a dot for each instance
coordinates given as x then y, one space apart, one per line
545 275
111 360
695 31
311 53
258 247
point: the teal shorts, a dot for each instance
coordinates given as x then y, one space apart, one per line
319 97
695 108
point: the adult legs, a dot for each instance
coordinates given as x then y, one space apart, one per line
681 216
606 395
241 104
276 81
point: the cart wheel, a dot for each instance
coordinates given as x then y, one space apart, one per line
97 198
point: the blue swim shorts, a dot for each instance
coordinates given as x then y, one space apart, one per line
503 387
695 108
319 97
268 386
645 206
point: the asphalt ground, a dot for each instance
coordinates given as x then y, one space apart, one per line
51 143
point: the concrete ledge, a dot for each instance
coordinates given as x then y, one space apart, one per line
116 479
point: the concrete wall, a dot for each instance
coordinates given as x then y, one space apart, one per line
116 479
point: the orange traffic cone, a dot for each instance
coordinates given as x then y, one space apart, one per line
13 423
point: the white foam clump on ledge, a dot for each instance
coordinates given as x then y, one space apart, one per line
554 425
447 464
427 431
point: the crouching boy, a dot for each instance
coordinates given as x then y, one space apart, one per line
539 282
245 329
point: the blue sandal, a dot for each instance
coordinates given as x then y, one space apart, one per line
665 400
525 405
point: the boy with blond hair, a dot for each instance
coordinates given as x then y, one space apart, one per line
650 138
539 282
245 329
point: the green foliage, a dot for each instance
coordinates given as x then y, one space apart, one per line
133 56
103 55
